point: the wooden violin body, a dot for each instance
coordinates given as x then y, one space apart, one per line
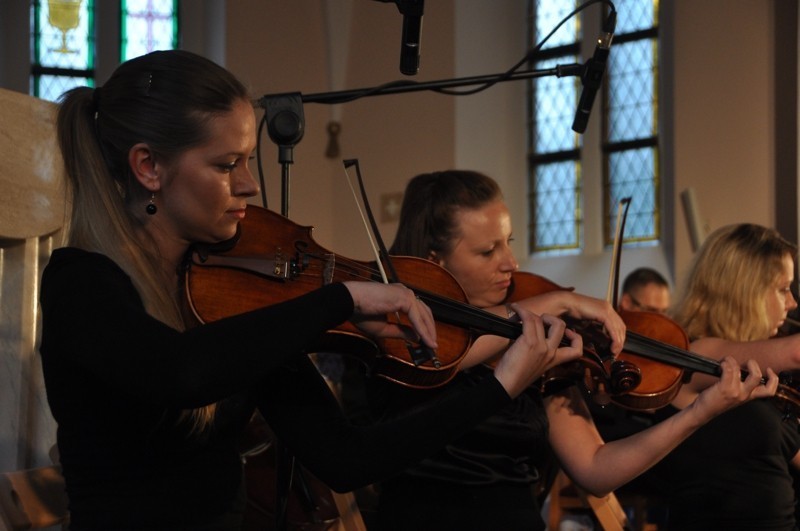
275 259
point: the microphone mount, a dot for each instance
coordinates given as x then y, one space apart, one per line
286 122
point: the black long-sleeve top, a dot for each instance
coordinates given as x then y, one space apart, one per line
117 380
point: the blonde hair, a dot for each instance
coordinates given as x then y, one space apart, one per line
725 291
164 99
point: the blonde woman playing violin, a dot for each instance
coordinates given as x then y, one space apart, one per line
736 471
486 478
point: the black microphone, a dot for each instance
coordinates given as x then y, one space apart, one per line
410 40
412 29
592 76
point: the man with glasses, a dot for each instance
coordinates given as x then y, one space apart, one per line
645 289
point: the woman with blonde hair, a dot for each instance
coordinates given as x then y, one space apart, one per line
732 282
735 473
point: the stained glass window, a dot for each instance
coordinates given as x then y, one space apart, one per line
63 50
63 46
629 144
148 25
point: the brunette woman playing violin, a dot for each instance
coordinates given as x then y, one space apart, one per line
150 407
485 479
736 471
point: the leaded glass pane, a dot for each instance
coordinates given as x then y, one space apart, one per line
52 87
148 25
549 13
635 175
635 15
556 206
555 192
555 100
631 94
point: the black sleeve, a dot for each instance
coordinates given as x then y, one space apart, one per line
93 316
297 404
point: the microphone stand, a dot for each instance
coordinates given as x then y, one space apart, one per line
286 121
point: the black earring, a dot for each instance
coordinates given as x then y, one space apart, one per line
151 207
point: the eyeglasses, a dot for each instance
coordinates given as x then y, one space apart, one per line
644 307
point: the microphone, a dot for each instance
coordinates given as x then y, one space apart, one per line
410 40
412 29
592 76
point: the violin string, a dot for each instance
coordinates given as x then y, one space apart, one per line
689 359
653 348
459 313
479 318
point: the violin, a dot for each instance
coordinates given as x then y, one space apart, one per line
657 339
273 260
656 345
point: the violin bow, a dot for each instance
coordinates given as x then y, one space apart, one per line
419 353
616 254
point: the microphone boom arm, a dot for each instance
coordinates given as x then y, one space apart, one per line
399 87
286 121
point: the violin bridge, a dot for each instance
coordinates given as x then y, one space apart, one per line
328 270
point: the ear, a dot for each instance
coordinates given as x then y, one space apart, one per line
434 257
625 303
143 165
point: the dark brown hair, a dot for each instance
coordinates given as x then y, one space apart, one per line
431 200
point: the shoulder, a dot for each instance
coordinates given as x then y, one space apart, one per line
73 260
72 272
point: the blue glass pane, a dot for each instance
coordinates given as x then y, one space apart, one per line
549 13
65 35
555 100
632 92
634 15
634 174
556 205
52 87
148 25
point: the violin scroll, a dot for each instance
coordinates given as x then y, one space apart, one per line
787 397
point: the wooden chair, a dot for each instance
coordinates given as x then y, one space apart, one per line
32 206
566 497
33 499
